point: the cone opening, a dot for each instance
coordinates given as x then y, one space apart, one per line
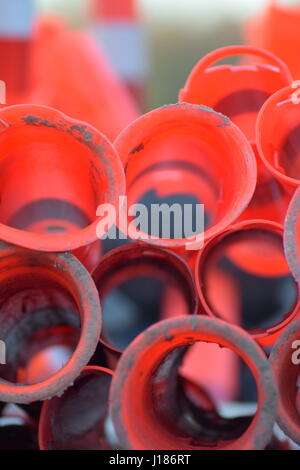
261 294
63 171
152 381
39 320
50 322
278 136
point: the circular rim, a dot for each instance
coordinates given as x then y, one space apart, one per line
266 336
47 411
260 430
138 251
91 322
279 96
277 360
44 116
135 132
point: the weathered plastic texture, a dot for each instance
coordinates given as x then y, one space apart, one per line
192 150
285 360
54 173
277 136
71 73
276 28
238 91
144 406
140 260
256 247
48 300
244 90
77 420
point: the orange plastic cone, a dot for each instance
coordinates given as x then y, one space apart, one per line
276 28
277 136
239 92
236 91
188 150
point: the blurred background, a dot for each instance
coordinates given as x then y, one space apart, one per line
178 33
107 61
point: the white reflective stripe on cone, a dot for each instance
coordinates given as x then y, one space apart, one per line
16 18
125 45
